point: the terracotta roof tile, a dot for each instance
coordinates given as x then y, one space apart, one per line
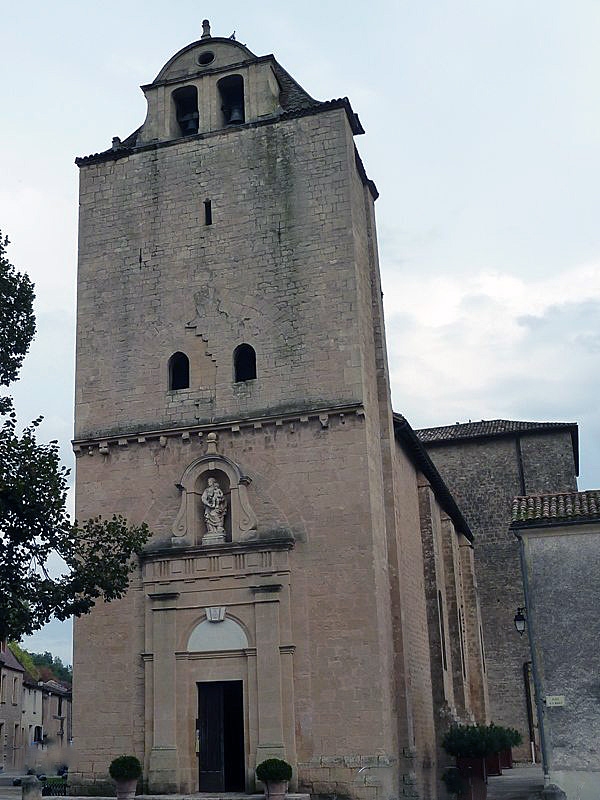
563 507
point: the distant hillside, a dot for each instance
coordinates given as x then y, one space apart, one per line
43 666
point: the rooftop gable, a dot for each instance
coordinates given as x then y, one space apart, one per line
10 661
496 428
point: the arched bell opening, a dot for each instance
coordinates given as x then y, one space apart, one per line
231 95
186 109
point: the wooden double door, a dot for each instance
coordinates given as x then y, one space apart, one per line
220 737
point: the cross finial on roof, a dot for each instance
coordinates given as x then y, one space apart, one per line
205 29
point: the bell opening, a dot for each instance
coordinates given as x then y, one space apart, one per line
186 109
231 92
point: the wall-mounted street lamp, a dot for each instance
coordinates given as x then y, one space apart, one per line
520 620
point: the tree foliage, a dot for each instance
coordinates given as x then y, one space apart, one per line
35 527
479 741
17 320
25 659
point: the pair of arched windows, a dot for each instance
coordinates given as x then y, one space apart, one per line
244 367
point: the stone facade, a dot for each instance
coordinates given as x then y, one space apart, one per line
32 717
11 697
560 545
485 466
35 718
305 633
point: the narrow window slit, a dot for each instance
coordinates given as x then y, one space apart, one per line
207 212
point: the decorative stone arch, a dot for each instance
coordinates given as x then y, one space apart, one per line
240 520
217 631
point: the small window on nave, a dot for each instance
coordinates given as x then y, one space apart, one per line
244 363
179 372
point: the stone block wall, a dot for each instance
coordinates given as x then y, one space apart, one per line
484 475
413 668
342 693
458 678
276 269
563 570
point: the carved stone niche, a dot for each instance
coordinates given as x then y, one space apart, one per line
190 526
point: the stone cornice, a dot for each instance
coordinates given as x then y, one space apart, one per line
169 551
126 438
124 151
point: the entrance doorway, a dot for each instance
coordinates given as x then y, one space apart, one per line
220 737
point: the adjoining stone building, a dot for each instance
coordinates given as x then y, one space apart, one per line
57 715
11 693
559 536
32 717
232 390
485 465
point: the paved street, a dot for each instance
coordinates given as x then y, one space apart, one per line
520 783
10 792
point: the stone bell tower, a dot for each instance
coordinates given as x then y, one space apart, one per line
232 391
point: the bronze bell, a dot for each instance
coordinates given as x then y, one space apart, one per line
189 123
236 115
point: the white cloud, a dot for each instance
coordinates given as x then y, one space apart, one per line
497 346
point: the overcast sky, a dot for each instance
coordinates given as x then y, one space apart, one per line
482 124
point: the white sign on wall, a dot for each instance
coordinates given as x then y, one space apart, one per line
555 699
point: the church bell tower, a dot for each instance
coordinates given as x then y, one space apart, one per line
232 392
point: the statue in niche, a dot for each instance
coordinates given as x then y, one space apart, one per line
215 507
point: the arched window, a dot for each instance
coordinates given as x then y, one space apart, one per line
442 630
244 363
179 371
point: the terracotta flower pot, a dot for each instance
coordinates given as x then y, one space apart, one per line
276 790
126 789
493 765
473 773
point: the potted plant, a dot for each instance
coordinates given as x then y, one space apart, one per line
498 740
453 781
470 744
125 771
512 739
275 774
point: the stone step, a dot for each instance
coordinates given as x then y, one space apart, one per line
202 796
